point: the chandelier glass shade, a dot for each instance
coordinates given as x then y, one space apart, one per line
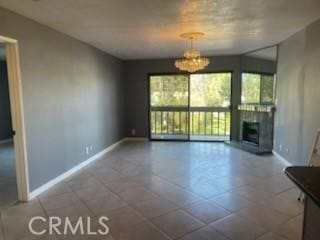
192 60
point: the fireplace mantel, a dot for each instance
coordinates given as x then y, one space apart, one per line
256 108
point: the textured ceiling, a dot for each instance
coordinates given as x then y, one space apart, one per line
269 53
139 29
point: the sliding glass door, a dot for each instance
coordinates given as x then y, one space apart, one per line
210 96
190 107
169 107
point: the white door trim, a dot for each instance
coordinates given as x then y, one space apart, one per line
17 115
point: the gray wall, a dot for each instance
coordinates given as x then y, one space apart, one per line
251 64
298 91
136 82
5 114
72 97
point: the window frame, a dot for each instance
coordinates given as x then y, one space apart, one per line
260 93
149 75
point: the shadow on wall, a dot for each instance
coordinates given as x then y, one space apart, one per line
5 114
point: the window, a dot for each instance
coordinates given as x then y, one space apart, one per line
257 88
210 90
169 90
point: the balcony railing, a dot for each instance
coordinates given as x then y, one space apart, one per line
202 123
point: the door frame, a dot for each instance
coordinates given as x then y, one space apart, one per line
149 105
189 74
17 116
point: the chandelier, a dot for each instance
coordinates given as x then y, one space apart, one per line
192 60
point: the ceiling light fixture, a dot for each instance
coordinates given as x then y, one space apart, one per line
192 60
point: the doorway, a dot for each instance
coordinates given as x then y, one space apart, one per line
14 185
8 180
193 107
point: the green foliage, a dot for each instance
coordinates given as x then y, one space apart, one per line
267 89
169 90
206 90
257 88
250 88
201 123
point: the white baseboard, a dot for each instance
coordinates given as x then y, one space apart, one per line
282 159
6 141
136 139
73 170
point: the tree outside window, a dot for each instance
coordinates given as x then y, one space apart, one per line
257 88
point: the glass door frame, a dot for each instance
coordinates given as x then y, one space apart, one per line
189 77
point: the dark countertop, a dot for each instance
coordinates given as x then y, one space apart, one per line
307 179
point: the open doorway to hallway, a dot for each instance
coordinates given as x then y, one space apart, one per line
8 180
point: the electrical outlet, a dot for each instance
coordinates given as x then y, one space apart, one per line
280 147
287 150
91 147
133 132
87 150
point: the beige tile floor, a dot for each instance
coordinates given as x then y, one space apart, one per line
172 190
8 183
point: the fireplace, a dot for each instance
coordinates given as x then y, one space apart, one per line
251 132
255 129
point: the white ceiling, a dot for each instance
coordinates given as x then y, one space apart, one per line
139 29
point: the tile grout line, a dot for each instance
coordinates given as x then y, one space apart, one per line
166 180
164 233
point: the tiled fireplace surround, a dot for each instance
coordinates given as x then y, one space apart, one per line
264 116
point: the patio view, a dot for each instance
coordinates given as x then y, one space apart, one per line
190 107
